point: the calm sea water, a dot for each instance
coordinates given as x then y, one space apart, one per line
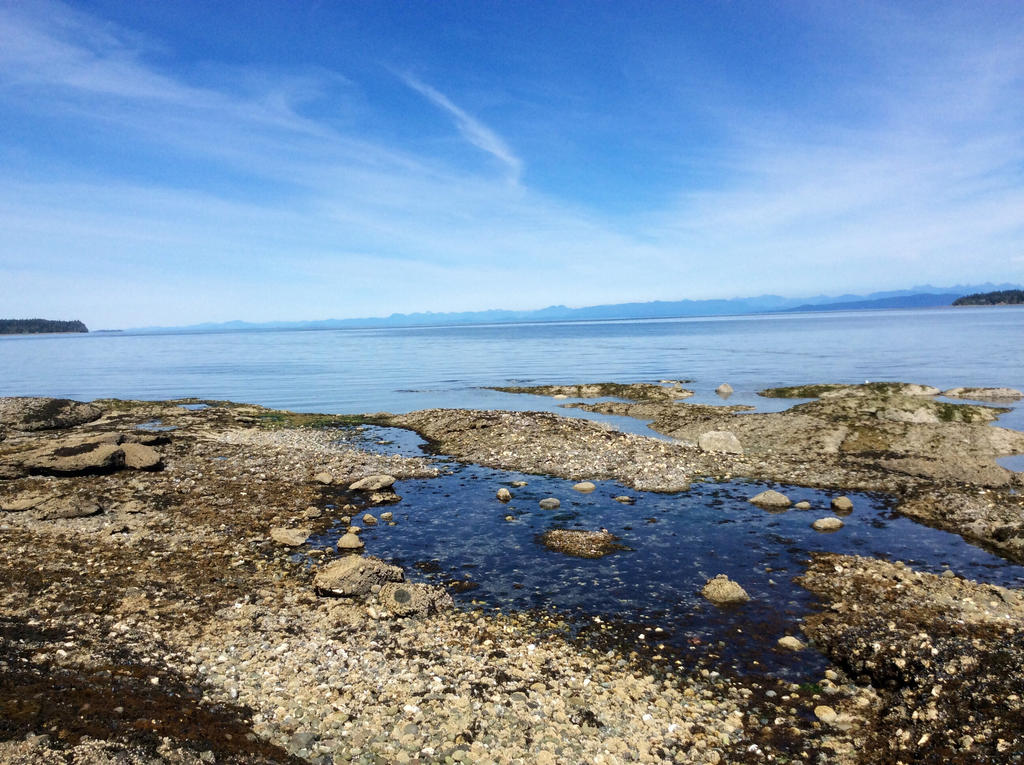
414 368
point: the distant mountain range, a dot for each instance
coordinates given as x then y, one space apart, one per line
924 296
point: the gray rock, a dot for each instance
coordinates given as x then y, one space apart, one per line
723 591
387 517
369 520
842 505
803 505
324 477
504 495
724 390
354 576
831 523
373 483
385 497
720 441
771 500
519 484
289 537
549 503
584 486
625 500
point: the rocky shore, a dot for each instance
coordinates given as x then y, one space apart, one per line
151 612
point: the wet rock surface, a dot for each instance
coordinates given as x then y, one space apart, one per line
943 654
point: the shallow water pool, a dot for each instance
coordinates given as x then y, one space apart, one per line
453 530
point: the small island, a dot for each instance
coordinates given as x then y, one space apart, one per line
39 326
1001 297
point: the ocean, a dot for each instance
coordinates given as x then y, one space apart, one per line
402 369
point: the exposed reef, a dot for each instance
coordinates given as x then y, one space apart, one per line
163 601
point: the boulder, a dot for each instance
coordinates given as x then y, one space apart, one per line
408 599
724 390
369 520
88 458
720 441
549 503
324 477
519 484
289 537
584 486
385 497
842 505
19 503
64 508
141 457
91 454
504 495
355 576
803 505
771 500
625 500
723 591
373 483
830 523
387 517
32 414
350 541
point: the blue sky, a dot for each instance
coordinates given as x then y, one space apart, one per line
171 163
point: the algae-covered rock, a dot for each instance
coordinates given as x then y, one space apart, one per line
34 414
580 543
413 599
723 591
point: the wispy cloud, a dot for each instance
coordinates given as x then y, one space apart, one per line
249 206
472 129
